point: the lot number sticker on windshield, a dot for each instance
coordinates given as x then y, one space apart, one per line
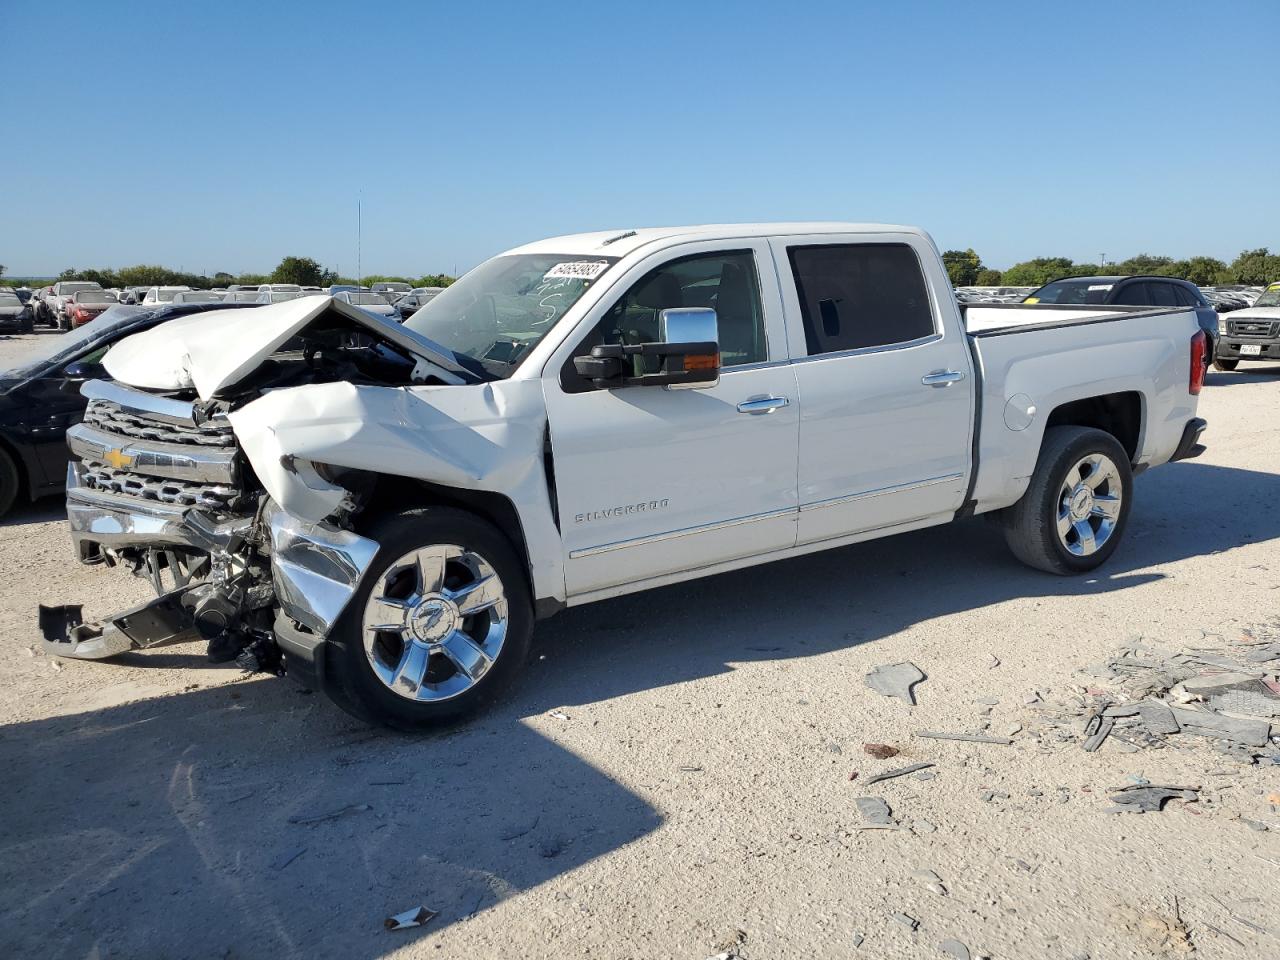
577 270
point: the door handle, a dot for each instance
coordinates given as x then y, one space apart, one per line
762 405
944 378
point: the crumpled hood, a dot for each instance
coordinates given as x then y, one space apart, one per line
216 349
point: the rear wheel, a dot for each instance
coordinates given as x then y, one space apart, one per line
440 625
1076 507
1226 364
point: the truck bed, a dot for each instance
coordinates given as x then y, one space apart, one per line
1032 360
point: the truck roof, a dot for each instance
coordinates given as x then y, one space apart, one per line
620 242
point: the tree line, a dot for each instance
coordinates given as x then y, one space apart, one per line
300 270
1252 267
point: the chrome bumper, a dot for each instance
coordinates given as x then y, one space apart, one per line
315 568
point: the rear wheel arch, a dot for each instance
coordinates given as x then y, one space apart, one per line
1119 414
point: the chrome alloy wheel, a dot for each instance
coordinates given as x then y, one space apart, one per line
435 622
1089 504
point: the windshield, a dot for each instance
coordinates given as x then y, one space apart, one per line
1270 297
366 300
71 287
1072 291
64 348
9 299
198 296
94 296
499 311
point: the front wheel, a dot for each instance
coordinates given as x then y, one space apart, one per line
1073 514
440 625
1226 364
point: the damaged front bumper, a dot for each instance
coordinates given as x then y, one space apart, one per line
315 569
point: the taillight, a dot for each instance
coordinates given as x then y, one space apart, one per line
1198 343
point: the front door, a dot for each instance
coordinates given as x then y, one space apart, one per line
653 481
885 388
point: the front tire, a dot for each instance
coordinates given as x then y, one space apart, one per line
1225 364
1074 512
439 627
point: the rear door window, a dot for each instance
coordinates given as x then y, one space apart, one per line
855 296
1183 296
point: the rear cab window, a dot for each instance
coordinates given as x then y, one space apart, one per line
860 296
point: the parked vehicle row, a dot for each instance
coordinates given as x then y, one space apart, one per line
578 419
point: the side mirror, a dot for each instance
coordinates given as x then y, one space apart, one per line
688 355
80 371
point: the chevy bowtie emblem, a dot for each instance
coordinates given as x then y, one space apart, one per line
118 459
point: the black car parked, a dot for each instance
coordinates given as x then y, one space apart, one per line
40 396
1134 292
15 313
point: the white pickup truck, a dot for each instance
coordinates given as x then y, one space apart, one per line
383 511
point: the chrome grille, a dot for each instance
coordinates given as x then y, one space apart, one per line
102 476
110 416
1251 328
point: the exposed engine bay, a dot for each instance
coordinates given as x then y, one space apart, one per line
164 487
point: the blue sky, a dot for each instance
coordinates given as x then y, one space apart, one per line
223 137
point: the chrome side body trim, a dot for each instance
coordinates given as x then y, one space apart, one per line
881 491
154 458
684 532
315 567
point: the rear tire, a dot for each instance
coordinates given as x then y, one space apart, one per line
1074 512
10 482
437 662
1226 364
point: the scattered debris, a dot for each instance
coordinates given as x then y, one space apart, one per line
898 772
896 680
416 917
923 826
875 811
333 815
911 923
1251 732
1096 731
856 940
992 661
954 948
881 751
1150 799
558 715
925 775
970 737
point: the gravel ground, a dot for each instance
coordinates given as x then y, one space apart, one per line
672 776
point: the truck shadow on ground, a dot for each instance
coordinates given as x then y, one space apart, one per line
176 811
1246 373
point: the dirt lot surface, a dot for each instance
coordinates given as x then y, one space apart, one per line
672 776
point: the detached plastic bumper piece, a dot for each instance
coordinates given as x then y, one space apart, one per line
158 622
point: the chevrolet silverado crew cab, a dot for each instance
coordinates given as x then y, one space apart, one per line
1252 333
383 511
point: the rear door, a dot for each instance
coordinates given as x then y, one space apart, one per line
886 389
653 481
